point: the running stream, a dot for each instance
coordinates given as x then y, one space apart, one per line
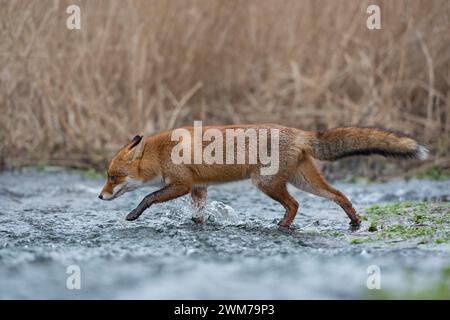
52 219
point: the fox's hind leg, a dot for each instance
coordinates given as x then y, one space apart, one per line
308 178
278 192
199 195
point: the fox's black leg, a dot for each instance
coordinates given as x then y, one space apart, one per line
172 191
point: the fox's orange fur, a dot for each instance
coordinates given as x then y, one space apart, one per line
145 161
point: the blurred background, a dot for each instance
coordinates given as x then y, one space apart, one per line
72 97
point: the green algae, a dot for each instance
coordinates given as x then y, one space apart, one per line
422 222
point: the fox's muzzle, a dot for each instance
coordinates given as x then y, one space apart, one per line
109 196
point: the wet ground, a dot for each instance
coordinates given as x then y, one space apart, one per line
50 220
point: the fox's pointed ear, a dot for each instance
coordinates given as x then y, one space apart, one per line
135 148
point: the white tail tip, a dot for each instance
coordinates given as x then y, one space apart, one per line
421 152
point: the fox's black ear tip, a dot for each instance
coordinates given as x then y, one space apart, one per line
135 141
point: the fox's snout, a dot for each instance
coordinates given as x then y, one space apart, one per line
109 191
105 195
113 191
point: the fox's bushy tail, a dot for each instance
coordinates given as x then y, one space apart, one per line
338 143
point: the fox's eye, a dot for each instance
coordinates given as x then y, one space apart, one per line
113 178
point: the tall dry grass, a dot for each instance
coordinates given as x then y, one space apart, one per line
73 97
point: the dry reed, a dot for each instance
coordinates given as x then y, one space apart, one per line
73 96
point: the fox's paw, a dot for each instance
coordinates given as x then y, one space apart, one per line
284 224
356 220
133 215
198 220
355 223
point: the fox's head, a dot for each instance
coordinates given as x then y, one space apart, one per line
123 171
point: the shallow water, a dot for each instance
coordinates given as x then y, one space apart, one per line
51 220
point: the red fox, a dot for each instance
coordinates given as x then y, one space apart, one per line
146 161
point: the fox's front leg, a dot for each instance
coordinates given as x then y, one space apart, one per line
169 192
199 195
